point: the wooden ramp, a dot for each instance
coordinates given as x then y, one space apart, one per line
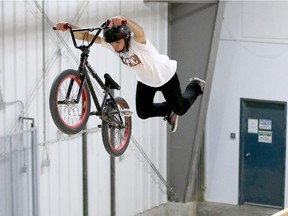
284 212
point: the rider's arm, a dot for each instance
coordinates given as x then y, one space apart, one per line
80 35
139 34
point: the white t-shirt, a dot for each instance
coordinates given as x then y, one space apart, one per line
152 69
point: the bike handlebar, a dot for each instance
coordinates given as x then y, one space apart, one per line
90 29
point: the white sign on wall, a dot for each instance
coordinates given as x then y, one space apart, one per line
265 136
265 124
252 125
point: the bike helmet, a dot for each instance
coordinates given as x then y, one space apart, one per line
116 33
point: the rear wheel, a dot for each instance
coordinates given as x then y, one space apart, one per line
116 139
69 116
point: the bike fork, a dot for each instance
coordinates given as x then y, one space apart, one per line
69 89
80 88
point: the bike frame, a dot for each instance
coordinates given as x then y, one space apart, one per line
85 69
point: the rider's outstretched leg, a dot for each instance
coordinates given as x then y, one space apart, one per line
180 103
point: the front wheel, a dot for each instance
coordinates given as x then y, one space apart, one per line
116 137
68 114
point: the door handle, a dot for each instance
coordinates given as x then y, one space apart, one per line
247 155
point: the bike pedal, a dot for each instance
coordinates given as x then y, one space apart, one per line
126 112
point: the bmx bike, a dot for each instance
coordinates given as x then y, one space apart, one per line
70 101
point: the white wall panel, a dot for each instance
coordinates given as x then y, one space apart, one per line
24 77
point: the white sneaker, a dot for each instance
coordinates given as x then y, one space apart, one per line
199 82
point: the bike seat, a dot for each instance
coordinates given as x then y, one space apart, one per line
109 82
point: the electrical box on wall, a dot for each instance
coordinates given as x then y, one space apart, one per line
233 135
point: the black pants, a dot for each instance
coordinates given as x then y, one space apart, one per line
175 101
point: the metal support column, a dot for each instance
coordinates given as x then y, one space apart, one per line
112 185
85 173
112 180
34 160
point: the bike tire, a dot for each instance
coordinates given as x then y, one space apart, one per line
121 136
69 117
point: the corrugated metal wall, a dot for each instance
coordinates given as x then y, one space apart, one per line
31 55
18 174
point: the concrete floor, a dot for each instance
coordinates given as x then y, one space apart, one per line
207 209
216 209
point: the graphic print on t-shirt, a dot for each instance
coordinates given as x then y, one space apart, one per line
131 61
